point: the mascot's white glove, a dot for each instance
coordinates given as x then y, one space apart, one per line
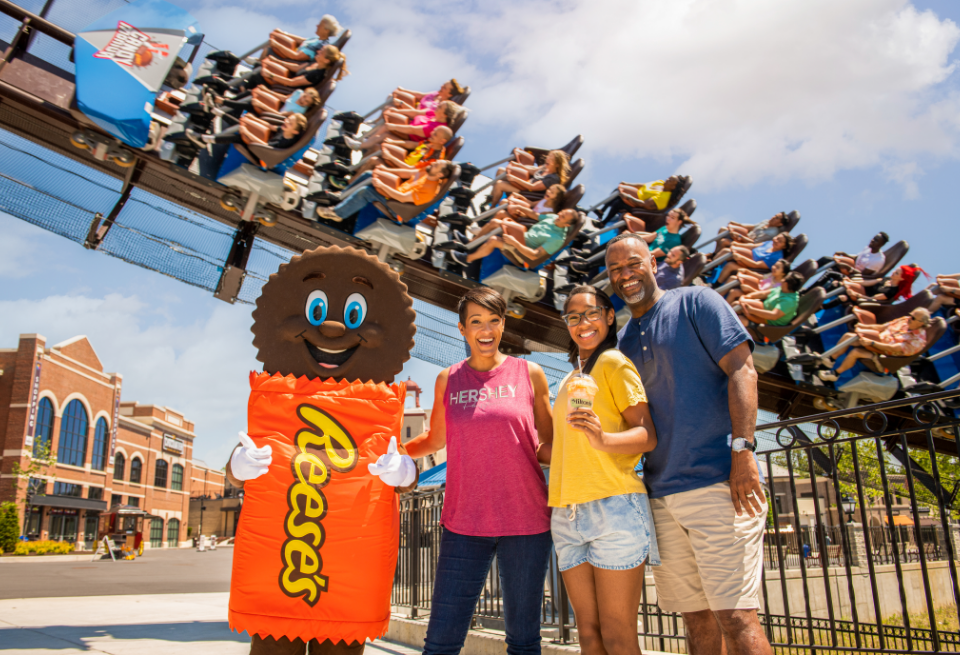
249 462
394 469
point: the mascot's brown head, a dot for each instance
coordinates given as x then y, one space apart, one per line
334 313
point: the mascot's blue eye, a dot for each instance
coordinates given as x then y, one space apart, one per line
317 307
355 310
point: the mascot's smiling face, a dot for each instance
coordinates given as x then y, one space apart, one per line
334 313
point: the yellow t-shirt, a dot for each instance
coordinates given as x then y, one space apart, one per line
578 472
654 191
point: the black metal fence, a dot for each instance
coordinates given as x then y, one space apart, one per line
861 549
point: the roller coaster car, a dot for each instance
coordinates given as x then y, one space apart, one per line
123 62
514 277
391 226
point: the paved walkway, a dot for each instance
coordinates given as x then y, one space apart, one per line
171 624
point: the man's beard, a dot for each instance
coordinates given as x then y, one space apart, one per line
636 298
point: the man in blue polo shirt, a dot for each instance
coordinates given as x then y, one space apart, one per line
694 357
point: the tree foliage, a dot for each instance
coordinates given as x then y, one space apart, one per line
9 526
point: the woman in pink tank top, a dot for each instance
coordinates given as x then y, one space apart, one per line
492 412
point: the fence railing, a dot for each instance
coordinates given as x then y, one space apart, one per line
860 554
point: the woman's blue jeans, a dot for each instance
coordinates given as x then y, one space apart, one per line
461 573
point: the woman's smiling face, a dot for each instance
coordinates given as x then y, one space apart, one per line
594 325
483 330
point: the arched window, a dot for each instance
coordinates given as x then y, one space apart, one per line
73 435
101 435
136 467
119 466
44 426
176 480
173 533
156 533
160 474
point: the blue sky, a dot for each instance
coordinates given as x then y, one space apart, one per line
848 112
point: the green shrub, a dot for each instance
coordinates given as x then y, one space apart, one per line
9 527
44 548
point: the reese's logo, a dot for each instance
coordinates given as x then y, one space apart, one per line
323 446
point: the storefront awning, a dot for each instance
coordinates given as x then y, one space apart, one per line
69 502
899 520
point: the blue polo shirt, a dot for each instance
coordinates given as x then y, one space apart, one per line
677 347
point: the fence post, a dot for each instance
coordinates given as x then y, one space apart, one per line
955 540
858 545
414 556
564 612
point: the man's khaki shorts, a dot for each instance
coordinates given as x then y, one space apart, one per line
711 558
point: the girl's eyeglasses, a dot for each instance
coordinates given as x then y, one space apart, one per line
592 314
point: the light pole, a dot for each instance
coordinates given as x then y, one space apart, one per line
849 504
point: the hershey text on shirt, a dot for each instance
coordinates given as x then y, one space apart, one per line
475 396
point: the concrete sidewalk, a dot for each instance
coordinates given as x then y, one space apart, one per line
174 624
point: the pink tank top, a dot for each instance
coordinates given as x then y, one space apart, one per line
495 487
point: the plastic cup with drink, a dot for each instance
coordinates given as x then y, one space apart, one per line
581 390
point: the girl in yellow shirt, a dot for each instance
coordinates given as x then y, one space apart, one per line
601 524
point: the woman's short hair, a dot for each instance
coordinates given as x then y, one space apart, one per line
484 297
561 162
300 120
557 202
330 23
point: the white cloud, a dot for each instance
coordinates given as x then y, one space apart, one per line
739 91
200 369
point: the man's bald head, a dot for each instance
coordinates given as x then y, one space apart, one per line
632 270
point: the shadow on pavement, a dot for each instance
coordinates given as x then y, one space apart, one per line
82 638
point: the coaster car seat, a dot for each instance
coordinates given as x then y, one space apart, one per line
391 225
342 39
571 149
690 237
458 123
809 304
891 257
791 221
575 169
461 98
887 313
513 276
617 206
799 243
890 364
453 148
693 267
269 158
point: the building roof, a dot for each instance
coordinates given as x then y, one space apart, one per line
79 349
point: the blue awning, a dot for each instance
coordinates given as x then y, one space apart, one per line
434 477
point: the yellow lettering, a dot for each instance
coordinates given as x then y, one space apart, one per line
309 564
315 508
333 436
318 475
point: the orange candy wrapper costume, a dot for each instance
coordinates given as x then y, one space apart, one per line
316 546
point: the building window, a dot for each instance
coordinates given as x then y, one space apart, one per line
176 480
160 474
173 533
100 437
136 467
67 489
44 426
119 464
116 499
95 493
73 435
156 533
133 501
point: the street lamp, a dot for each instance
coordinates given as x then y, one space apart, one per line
849 504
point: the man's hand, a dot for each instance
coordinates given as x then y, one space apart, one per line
394 469
249 462
745 487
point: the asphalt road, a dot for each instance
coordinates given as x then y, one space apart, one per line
176 571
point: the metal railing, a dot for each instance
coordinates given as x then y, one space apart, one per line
869 566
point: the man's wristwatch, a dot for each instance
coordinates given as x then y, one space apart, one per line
742 444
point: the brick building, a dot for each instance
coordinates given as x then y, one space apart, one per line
108 451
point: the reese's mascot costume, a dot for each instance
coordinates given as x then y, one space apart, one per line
316 545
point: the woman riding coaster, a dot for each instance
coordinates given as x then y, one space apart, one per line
414 103
760 257
412 133
751 280
519 178
524 211
546 237
602 524
297 48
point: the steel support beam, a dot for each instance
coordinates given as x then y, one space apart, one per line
235 268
